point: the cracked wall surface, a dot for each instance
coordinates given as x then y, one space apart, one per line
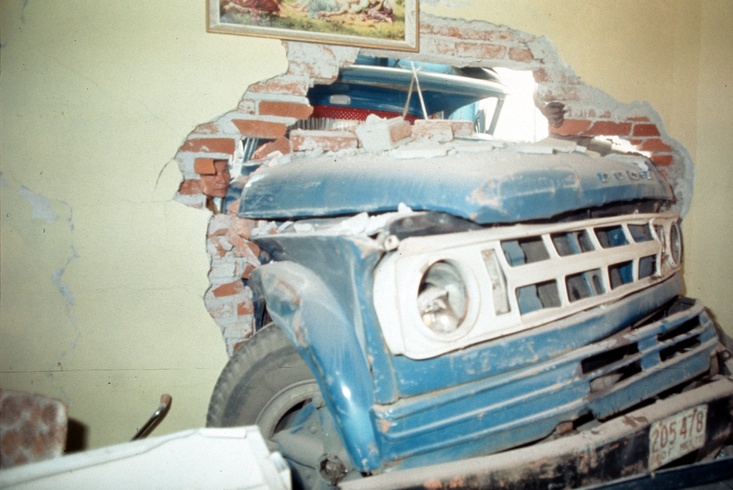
100 302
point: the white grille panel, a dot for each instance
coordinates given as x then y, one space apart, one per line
537 274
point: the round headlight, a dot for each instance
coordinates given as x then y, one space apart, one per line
675 244
442 298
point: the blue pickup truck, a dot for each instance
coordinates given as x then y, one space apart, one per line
517 308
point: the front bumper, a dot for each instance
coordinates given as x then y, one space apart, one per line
514 408
613 450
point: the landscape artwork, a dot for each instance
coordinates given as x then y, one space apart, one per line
386 24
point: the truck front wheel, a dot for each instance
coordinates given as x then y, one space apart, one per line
264 384
268 384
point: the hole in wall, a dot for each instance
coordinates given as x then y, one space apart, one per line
500 101
521 119
262 126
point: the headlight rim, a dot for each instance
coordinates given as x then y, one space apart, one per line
675 245
471 293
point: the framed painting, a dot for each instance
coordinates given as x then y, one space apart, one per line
382 24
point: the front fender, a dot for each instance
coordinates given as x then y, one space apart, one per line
304 307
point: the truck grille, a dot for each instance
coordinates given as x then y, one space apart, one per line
556 269
523 276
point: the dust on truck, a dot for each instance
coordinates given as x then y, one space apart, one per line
491 301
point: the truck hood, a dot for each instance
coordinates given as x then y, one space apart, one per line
475 180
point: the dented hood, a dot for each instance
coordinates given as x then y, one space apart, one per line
472 180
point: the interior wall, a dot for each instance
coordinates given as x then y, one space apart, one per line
103 274
709 227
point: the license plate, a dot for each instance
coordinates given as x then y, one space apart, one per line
677 435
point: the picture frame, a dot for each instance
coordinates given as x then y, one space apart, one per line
381 24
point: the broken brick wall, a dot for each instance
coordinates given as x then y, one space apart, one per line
269 107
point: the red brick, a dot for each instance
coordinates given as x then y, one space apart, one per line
432 129
646 130
233 208
638 119
241 246
443 30
610 128
479 50
655 144
520 54
466 32
285 109
281 144
210 145
190 187
260 129
540 75
221 250
498 35
572 127
229 289
663 160
204 166
245 308
11 442
243 227
462 128
400 130
592 114
248 269
305 140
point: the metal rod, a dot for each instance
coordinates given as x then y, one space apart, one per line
419 91
165 403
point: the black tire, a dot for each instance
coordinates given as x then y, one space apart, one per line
263 383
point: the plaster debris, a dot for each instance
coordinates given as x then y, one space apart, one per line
359 224
264 228
531 149
422 149
308 140
277 158
300 227
378 134
562 146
